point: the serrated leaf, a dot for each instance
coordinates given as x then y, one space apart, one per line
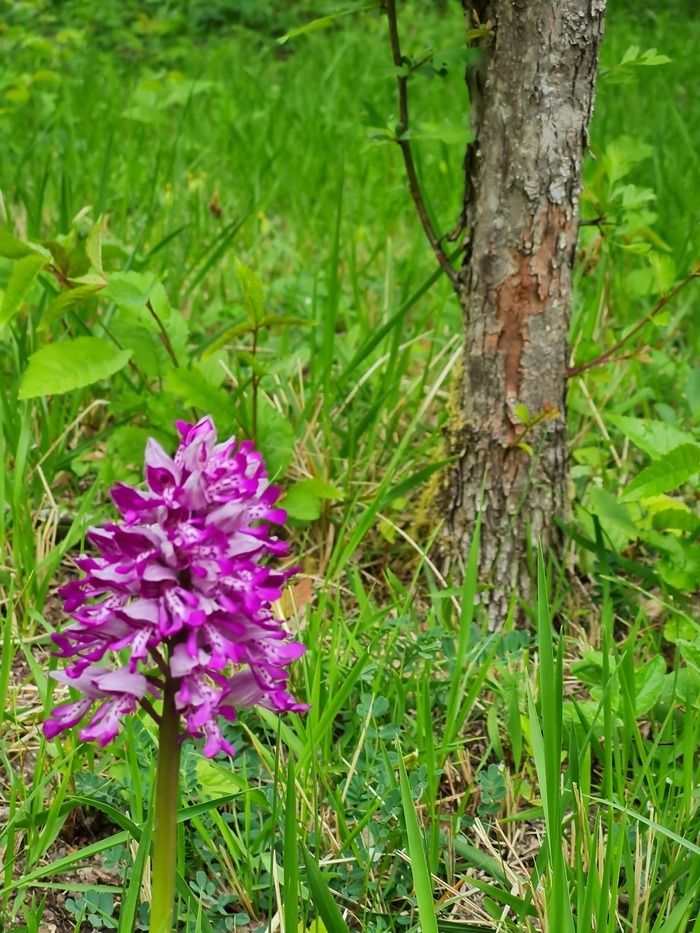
613 515
655 438
69 365
66 300
24 272
679 518
668 473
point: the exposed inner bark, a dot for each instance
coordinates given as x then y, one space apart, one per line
532 96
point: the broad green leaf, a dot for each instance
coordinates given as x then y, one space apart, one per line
130 289
275 439
622 154
24 272
148 351
303 499
649 684
614 516
678 519
195 391
668 473
11 247
71 364
302 503
690 650
655 438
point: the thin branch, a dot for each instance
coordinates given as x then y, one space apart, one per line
165 339
659 306
403 141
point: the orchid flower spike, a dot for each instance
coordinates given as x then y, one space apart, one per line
181 596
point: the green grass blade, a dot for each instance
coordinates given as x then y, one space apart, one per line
419 863
291 854
323 898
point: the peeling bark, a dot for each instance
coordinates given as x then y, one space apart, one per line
532 97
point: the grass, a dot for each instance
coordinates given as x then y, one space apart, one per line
445 778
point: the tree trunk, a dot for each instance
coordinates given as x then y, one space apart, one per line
532 96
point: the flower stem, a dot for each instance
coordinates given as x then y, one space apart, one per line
165 834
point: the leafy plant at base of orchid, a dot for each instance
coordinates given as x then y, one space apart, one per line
180 585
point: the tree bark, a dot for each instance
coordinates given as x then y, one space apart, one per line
532 95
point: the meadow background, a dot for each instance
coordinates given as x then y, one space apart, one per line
446 778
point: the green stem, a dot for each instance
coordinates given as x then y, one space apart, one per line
165 835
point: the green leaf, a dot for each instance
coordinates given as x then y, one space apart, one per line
275 439
649 684
66 300
692 391
303 499
24 272
613 515
679 518
655 438
130 289
196 391
416 850
291 852
668 473
13 248
322 22
217 780
651 57
252 292
71 364
93 245
621 156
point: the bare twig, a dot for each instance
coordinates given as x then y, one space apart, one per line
403 141
607 357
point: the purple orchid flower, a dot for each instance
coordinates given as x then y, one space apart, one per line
180 593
